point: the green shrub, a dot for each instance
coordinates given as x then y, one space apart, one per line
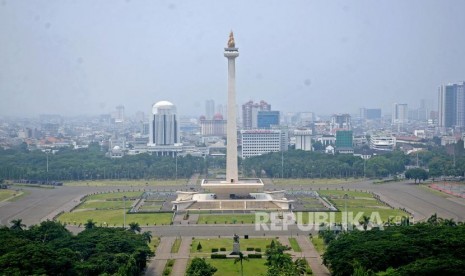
222 249
250 248
255 256
218 256
214 250
170 263
167 271
258 250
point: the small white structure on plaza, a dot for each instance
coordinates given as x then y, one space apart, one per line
232 193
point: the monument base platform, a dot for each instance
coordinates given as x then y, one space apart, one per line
246 194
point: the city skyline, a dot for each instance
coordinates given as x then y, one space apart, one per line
302 56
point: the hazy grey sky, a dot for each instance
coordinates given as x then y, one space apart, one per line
87 57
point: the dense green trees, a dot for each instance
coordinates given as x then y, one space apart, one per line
423 249
91 163
280 263
416 174
199 267
50 249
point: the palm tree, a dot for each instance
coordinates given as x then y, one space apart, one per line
134 227
147 236
90 224
240 259
17 224
365 221
301 266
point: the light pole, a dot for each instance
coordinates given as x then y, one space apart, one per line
124 215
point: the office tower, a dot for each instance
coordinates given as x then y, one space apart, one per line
370 113
341 121
259 141
303 139
451 105
266 119
344 141
209 109
214 127
400 114
164 125
250 113
119 116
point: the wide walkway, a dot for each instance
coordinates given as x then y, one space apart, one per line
311 255
163 254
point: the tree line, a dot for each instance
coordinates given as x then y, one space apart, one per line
50 249
435 247
91 164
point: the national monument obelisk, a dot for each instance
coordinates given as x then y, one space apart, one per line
231 53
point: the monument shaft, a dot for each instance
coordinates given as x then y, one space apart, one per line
231 151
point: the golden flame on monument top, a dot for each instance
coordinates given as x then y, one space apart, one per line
231 43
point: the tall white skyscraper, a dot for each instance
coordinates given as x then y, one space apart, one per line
209 109
164 125
451 105
400 113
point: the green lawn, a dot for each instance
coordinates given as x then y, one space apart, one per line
229 219
127 183
208 244
7 194
295 245
176 245
226 267
115 217
357 202
319 244
102 204
312 181
342 193
114 195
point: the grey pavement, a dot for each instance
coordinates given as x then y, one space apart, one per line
182 257
157 263
311 255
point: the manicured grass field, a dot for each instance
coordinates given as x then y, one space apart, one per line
319 244
208 244
127 183
312 181
341 193
115 218
176 245
115 195
228 219
357 202
226 267
6 194
102 204
295 245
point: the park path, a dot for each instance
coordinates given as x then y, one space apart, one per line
311 255
182 257
163 253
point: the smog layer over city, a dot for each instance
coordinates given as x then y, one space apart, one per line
232 137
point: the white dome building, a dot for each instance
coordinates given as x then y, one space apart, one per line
164 129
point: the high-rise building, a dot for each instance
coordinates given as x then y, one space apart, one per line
214 127
400 114
164 125
250 113
266 119
260 141
209 109
303 139
119 116
451 105
341 121
344 141
370 113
